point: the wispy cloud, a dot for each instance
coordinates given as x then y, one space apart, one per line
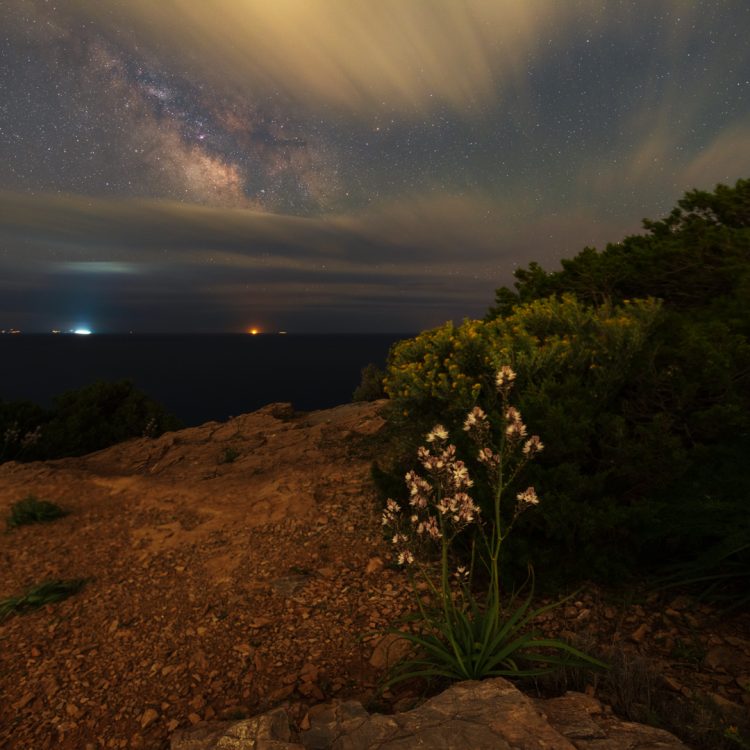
432 232
103 267
357 55
725 156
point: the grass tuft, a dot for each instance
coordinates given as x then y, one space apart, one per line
721 575
229 455
48 592
32 510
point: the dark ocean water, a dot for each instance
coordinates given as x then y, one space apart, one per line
197 378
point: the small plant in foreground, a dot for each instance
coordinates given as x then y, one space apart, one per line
48 592
229 455
469 636
32 510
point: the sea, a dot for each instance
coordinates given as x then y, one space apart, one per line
198 378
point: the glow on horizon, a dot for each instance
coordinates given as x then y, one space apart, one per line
82 331
253 331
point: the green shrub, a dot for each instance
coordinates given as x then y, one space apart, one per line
21 424
32 510
370 387
48 592
575 366
229 455
81 421
697 261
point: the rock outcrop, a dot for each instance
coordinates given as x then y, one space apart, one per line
487 715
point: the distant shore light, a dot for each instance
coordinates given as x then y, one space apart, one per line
82 331
253 331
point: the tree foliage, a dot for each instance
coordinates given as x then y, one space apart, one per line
696 260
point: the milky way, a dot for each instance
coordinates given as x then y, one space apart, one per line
333 166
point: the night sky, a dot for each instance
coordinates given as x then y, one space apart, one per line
343 165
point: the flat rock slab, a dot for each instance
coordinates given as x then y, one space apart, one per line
487 715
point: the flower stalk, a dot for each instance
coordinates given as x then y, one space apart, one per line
466 636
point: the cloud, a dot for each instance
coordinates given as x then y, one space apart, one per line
358 55
224 267
410 229
657 169
432 234
419 259
97 267
724 159
404 264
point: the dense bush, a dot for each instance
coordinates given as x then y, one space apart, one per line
370 386
631 394
20 428
81 421
575 364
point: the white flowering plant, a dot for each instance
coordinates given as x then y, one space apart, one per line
467 634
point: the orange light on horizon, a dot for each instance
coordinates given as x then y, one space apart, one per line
253 331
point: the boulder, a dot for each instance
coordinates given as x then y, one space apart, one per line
487 715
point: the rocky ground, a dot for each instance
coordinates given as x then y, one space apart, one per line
239 566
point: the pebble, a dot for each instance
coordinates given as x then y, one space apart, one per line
374 565
671 683
640 633
26 699
149 716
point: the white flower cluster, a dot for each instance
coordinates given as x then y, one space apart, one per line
474 419
437 434
532 446
528 497
420 490
429 527
505 377
461 573
489 458
440 506
391 513
515 429
460 508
